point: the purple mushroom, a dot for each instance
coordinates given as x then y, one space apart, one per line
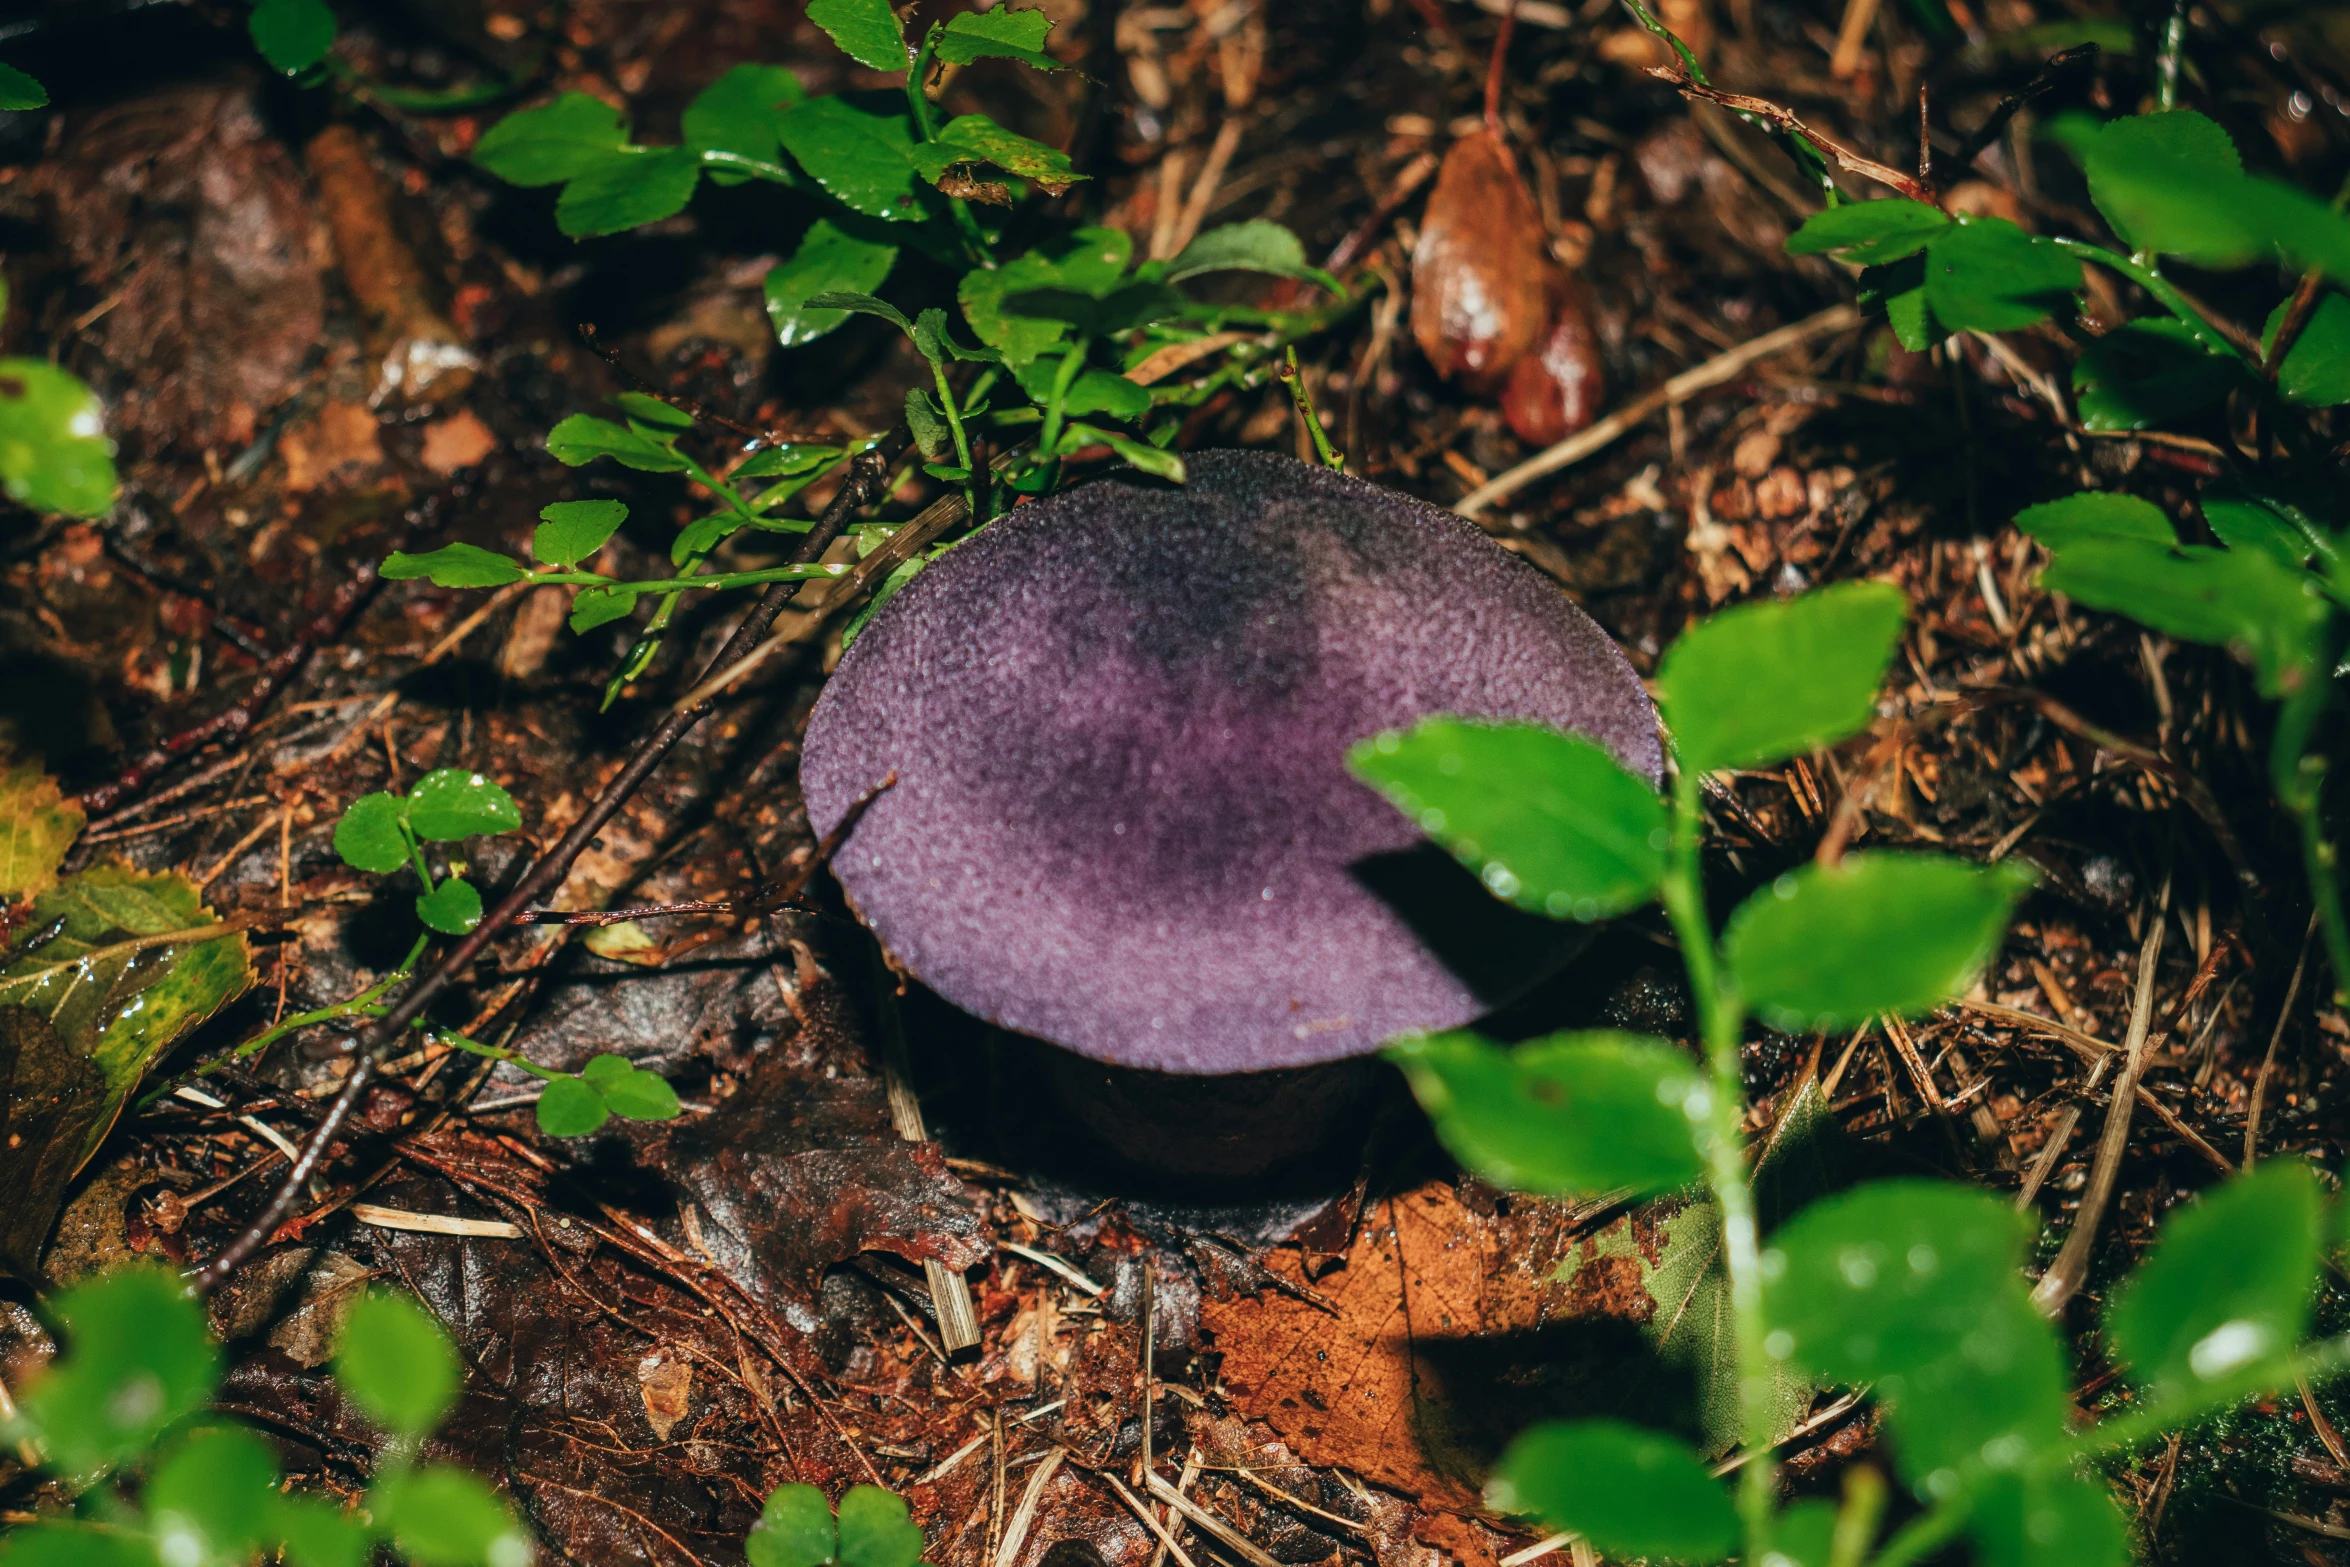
1123 824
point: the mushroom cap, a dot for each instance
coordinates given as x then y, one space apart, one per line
1119 720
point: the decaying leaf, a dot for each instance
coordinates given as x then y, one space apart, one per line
1557 388
1480 276
81 1018
1455 1327
37 825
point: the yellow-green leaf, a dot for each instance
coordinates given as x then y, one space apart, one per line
37 825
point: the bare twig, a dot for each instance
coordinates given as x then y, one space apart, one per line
2065 1275
2268 1060
1722 367
1762 108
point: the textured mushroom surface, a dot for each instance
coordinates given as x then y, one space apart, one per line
1119 719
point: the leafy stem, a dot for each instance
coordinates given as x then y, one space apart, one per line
1056 399
925 116
1721 1021
2205 334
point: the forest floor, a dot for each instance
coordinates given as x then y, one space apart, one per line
661 1323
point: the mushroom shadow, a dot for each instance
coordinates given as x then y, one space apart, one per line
1497 949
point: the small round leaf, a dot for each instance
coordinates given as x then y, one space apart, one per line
19 91
875 1531
2227 1285
1573 1113
54 454
1550 821
571 1108
453 803
292 35
641 1096
1836 945
795 1529
443 1517
137 1358
570 531
212 1498
396 1364
317 1533
1820 657
453 908
369 837
1628 1490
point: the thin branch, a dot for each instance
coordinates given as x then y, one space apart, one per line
1762 108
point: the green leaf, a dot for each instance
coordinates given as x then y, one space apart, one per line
827 261
212 1499
740 113
1002 33
369 838
396 1364
454 566
453 908
792 457
292 35
450 803
582 438
441 1516
1987 275
1089 262
318 1533
2228 1285
854 303
927 424
571 1107
2148 373
554 142
570 531
54 1543
1628 1490
974 138
863 160
1831 946
2052 1520
1095 391
137 1359
2245 520
1899 290
867 31
2095 514
1550 821
1098 314
628 192
880 596
631 1091
1914 1288
2315 372
1820 658
81 1019
600 606
54 454
1870 232
2176 193
643 408
795 1529
19 92
1158 463
875 1530
1259 245
2194 154
1806 1533
2244 599
1694 1329
38 823
1572 1113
